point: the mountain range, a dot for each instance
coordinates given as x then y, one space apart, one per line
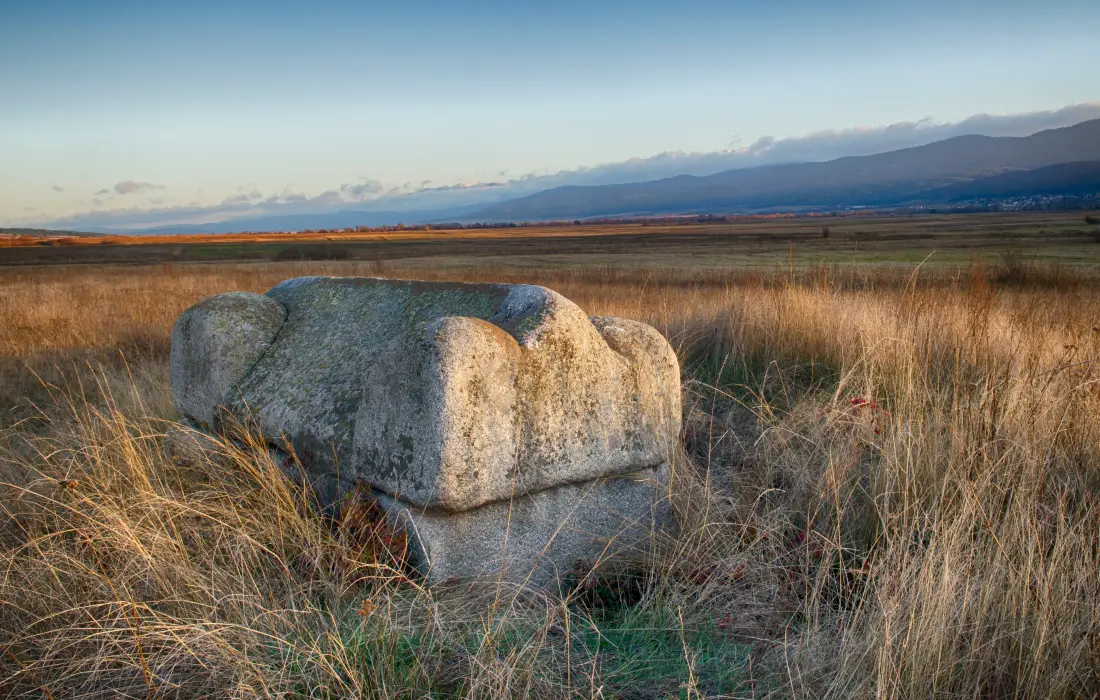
964 166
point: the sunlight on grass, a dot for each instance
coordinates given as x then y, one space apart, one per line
889 488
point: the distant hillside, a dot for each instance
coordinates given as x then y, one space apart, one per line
1061 179
44 232
882 179
311 222
288 222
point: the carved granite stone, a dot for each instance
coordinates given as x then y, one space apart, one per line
456 404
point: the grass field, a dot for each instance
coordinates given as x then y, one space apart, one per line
889 485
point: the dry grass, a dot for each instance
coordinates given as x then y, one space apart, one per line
890 488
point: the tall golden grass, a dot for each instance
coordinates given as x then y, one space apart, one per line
890 487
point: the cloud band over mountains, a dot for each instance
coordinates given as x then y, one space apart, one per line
421 201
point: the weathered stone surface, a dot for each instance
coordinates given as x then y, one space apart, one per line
539 538
214 345
451 396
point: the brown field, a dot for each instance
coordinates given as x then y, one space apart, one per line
889 484
871 237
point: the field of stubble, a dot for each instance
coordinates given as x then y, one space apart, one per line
889 487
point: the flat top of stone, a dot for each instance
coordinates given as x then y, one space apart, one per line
514 308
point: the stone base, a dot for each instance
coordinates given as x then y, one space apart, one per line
539 539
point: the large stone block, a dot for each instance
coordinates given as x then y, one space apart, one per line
445 398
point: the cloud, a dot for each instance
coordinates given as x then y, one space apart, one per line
464 186
421 201
362 191
243 198
830 144
132 187
58 189
124 188
251 202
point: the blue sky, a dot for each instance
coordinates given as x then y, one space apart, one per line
202 110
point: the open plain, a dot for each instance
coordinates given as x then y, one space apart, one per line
888 487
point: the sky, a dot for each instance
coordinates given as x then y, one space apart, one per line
131 114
